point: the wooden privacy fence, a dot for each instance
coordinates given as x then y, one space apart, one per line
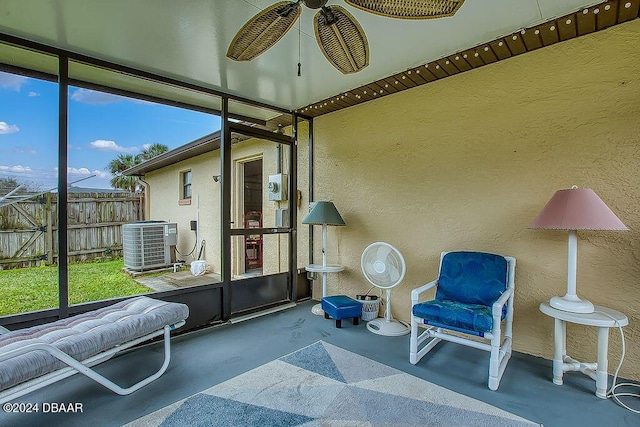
29 228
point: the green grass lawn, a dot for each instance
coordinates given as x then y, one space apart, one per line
30 289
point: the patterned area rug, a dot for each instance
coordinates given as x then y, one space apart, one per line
325 385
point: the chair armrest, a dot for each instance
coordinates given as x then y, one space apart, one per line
500 302
415 294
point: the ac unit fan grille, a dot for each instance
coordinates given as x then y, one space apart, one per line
145 245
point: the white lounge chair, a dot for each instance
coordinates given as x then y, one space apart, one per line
34 357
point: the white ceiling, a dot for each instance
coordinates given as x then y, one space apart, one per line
188 40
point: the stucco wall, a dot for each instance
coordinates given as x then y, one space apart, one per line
163 195
468 162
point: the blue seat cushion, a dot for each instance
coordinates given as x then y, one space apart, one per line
472 278
468 318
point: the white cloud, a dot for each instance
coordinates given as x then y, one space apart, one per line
88 96
25 150
104 145
102 174
32 94
16 169
6 128
85 172
11 81
78 171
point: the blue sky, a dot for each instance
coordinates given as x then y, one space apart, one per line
101 126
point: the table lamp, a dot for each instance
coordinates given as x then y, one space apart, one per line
575 209
323 213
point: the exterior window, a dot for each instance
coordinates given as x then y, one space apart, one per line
186 185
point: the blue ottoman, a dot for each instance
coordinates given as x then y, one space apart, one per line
341 307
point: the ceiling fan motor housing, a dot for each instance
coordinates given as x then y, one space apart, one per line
315 4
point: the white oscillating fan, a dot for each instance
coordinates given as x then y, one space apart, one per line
384 267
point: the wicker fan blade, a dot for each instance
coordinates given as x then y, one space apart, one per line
341 39
263 31
409 9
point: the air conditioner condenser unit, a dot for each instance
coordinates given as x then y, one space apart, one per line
149 244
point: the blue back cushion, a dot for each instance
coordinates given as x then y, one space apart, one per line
472 277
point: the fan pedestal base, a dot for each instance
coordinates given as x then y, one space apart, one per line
389 328
317 310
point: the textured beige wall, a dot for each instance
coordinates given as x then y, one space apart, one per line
164 193
467 163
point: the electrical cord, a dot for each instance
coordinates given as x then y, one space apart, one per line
192 250
379 296
612 394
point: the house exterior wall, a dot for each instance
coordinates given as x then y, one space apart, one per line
468 162
164 186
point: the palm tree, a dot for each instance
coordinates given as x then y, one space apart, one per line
125 161
119 165
151 151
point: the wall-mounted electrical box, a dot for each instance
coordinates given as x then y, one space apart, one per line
282 217
277 187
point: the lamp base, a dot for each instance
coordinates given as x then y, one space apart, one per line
572 303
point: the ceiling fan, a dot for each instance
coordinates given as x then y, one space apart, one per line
338 34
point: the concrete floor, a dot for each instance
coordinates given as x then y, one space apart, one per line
175 280
206 357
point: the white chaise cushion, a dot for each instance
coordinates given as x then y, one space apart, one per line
85 335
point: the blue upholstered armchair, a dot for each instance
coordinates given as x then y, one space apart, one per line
474 296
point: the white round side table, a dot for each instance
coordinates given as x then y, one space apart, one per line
602 318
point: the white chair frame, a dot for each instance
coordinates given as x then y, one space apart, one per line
74 366
500 348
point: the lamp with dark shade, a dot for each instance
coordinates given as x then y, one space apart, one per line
323 213
575 209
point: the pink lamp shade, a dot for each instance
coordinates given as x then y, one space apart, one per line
577 209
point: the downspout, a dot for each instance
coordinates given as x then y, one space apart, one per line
147 188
